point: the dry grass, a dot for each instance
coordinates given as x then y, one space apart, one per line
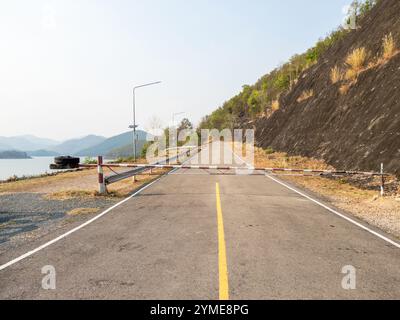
268 158
47 183
389 47
275 105
344 89
78 184
355 61
357 58
336 75
119 189
351 74
82 211
389 50
71 194
307 94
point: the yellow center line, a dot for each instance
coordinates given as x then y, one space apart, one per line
223 267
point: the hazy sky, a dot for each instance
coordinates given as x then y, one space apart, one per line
67 67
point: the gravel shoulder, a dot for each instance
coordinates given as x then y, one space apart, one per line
32 208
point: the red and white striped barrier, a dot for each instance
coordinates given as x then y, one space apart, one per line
211 167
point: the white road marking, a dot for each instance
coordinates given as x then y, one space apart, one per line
397 245
47 244
337 213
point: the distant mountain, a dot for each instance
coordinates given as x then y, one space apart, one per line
4 146
112 144
26 142
36 140
42 153
91 145
11 154
73 146
125 151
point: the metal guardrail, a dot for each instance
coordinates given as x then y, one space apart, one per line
104 181
127 174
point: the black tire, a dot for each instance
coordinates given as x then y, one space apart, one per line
64 161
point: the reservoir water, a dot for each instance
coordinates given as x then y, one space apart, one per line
25 167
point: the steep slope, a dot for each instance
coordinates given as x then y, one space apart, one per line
357 129
338 101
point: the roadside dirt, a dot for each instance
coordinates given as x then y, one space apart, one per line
76 184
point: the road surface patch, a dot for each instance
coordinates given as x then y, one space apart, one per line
397 245
222 263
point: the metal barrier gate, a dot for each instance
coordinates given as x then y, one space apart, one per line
164 164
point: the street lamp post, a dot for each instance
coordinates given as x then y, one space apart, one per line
134 126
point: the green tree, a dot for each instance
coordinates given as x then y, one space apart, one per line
282 82
185 125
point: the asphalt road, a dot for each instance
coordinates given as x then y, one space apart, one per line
182 239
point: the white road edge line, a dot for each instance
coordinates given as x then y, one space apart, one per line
330 209
47 244
337 213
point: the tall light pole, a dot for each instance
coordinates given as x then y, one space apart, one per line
134 126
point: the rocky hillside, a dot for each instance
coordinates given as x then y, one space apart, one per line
339 101
348 115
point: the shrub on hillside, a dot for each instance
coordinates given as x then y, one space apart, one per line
307 94
389 47
355 61
275 105
336 74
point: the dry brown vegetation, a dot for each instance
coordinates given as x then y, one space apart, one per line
71 194
270 159
77 184
355 62
344 89
275 105
50 183
389 47
307 94
336 75
82 211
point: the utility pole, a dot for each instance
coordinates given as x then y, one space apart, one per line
134 126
